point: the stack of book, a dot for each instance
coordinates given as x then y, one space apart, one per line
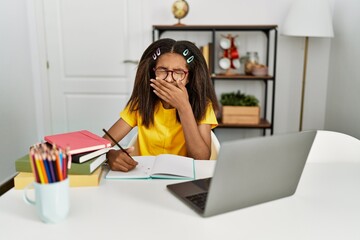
87 151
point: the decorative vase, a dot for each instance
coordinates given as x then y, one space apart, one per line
252 59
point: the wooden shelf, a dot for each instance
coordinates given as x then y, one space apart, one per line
263 124
214 27
240 77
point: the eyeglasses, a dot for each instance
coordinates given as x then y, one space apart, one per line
175 74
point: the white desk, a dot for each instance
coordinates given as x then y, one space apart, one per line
325 206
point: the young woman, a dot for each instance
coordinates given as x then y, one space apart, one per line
173 104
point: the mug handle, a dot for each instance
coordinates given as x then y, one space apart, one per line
25 195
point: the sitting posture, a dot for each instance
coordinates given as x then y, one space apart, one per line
173 104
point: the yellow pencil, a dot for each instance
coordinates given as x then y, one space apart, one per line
37 162
41 163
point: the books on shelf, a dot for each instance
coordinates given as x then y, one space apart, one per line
207 51
78 141
23 165
163 166
211 58
92 180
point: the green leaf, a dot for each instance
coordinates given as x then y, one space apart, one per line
238 99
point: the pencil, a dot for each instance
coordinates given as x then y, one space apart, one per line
117 144
64 164
51 166
58 165
68 157
43 169
33 166
38 165
59 152
54 164
47 168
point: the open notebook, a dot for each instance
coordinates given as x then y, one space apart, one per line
166 166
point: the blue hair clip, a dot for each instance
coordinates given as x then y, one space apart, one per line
190 59
185 53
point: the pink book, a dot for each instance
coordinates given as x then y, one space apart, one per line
78 141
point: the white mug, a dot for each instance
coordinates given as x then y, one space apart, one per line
224 63
51 200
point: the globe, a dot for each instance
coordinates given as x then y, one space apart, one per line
180 9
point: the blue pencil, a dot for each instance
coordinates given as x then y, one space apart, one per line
47 169
53 163
51 167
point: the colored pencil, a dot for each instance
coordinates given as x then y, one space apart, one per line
58 166
39 170
47 170
33 166
48 165
43 170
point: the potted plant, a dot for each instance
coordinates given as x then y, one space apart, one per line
240 108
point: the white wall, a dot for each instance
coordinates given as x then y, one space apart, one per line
18 126
343 99
22 119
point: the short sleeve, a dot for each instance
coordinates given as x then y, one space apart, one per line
210 117
130 117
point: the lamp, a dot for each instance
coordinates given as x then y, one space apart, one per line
308 18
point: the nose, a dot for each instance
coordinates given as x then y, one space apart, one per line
169 78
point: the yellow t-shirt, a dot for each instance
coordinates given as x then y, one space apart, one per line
166 135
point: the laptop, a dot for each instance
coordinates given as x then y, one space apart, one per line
249 172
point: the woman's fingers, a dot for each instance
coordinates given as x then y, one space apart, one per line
122 162
169 92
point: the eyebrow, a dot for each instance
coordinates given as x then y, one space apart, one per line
174 69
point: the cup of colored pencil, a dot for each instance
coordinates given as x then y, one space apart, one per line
51 183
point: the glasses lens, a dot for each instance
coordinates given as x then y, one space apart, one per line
161 73
178 75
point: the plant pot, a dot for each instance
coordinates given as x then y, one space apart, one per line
240 115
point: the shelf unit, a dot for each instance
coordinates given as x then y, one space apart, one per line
271 33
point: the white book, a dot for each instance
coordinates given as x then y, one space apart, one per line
86 156
163 166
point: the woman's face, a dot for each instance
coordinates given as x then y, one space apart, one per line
170 67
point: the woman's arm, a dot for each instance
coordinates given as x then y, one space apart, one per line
197 137
117 159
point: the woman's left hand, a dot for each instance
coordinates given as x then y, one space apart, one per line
174 94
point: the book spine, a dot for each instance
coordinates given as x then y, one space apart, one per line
80 169
23 167
24 178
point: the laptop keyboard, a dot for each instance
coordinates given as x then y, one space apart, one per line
198 200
